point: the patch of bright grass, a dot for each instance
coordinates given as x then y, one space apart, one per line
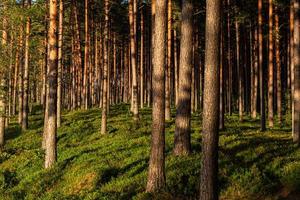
253 165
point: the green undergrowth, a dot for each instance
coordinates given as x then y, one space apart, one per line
253 165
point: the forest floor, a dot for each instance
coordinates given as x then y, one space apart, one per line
253 165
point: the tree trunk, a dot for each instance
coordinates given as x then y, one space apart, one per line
133 55
156 174
279 69
271 69
142 62
26 72
261 70
182 141
229 60
86 55
105 72
59 77
16 74
255 81
296 72
50 128
169 59
239 69
209 169
176 70
3 84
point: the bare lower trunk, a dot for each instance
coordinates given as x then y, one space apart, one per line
279 69
271 68
209 170
261 70
156 173
60 70
183 116
3 84
169 59
50 122
296 92
105 73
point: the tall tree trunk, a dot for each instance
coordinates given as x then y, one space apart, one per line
142 62
292 65
60 60
255 81
26 72
296 72
182 141
239 69
86 55
279 69
135 108
16 74
210 135
221 121
261 70
230 78
3 83
169 59
271 69
156 174
105 71
176 70
50 128
20 82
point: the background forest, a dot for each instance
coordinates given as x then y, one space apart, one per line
158 99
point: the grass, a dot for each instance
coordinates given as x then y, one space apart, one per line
253 165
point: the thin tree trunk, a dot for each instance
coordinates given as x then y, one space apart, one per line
60 67
86 55
271 68
26 72
16 74
296 72
142 62
239 69
176 70
261 70
255 71
135 108
3 84
279 69
105 71
169 59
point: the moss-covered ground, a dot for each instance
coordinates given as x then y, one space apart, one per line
253 165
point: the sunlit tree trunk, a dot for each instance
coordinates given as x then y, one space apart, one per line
105 71
156 173
261 70
133 55
3 81
86 55
209 169
169 59
60 64
26 72
271 69
142 62
16 74
50 128
296 72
